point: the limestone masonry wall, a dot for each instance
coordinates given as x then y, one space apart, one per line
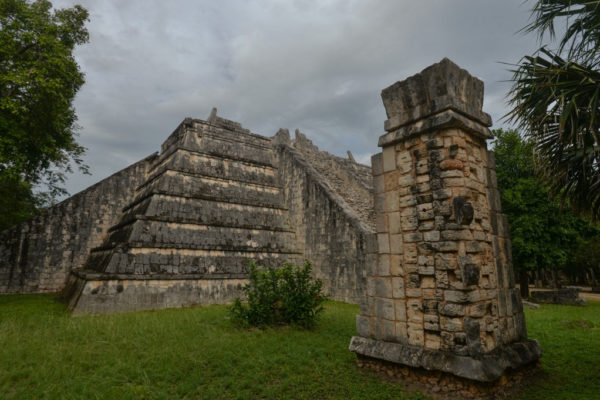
336 237
216 195
441 294
37 255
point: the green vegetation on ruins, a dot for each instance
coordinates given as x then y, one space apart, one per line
196 353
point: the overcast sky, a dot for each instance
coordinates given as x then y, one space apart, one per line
316 65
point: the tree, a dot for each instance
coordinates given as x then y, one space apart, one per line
556 100
544 235
39 78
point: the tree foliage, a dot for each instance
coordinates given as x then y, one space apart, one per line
39 78
544 233
556 100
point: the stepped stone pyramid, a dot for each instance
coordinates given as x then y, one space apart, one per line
210 201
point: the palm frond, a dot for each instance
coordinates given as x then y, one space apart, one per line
582 25
556 102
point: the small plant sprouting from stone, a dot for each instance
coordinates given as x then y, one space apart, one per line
279 296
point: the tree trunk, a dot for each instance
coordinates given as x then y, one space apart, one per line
554 279
524 283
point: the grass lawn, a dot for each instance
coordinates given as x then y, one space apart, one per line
196 353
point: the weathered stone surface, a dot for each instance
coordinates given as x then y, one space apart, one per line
37 255
111 294
453 233
330 203
485 368
216 196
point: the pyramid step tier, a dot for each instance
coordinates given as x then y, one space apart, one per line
222 147
183 261
166 207
193 162
203 187
152 233
242 136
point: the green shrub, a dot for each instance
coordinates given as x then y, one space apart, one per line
276 296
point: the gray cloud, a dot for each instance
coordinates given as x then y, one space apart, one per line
317 66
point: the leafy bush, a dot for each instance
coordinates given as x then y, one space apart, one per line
287 295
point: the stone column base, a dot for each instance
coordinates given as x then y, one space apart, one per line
488 367
94 293
442 385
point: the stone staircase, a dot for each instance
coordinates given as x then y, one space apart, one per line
211 201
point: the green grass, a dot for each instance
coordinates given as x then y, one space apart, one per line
570 340
196 353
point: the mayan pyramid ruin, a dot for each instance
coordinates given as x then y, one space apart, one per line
418 239
178 228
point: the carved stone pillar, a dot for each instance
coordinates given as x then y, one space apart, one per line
441 295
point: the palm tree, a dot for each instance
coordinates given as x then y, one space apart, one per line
555 100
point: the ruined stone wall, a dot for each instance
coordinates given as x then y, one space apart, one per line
443 272
441 295
37 255
217 190
331 233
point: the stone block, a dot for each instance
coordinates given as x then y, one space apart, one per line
412 237
401 332
367 306
377 164
432 341
394 222
389 158
379 184
410 253
383 243
451 324
426 270
381 223
407 201
445 261
472 330
362 326
451 309
391 201
455 296
383 287
445 247
479 310
383 265
428 261
475 247
414 310
404 162
390 180
425 211
428 282
385 309
371 287
416 336
432 236
400 307
463 234
398 288
406 180
396 268
413 292
389 331
409 223
396 244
